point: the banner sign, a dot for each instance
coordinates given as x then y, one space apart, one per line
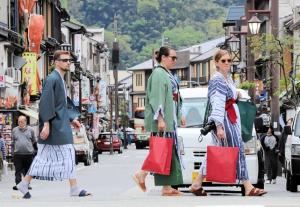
29 72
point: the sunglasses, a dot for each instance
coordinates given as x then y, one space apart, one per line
173 58
65 60
226 60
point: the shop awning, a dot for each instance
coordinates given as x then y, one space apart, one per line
29 112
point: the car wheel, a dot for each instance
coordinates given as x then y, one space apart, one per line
95 156
291 182
138 146
120 151
88 160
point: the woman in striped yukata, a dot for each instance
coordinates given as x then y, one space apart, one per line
163 114
222 95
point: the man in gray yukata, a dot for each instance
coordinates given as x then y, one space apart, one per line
55 159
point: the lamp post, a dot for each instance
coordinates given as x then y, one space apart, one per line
254 26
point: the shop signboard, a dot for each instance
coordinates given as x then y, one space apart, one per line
103 96
77 46
76 93
85 85
29 72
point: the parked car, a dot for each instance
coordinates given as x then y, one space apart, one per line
193 146
84 147
103 143
141 140
292 154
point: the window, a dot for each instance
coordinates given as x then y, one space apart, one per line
56 23
297 126
139 79
198 70
194 110
141 102
204 69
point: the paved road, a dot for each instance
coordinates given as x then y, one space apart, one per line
111 184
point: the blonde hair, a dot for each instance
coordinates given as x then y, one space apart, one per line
219 54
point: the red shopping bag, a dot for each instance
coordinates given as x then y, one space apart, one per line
221 164
160 155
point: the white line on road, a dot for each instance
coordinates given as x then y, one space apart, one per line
231 206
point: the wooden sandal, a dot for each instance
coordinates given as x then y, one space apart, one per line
256 192
173 192
198 192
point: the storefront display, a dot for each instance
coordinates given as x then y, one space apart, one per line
6 124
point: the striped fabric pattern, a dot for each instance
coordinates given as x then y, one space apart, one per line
54 162
220 90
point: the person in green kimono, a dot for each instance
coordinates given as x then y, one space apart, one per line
163 114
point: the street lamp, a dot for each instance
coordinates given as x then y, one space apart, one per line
234 44
254 24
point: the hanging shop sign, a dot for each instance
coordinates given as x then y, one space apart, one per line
76 93
85 85
29 73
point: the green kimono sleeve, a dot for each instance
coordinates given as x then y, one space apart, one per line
157 93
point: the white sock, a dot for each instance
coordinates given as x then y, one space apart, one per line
74 191
23 186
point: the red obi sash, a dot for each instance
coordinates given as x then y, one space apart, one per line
175 97
230 110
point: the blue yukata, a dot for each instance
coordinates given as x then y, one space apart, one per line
221 90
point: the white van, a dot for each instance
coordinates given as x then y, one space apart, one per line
194 145
292 154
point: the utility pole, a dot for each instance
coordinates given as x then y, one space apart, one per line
115 62
275 111
124 116
250 73
110 89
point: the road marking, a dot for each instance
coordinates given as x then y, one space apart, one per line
232 206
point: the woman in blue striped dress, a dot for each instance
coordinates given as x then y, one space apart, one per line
222 95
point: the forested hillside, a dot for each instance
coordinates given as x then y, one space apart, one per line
143 23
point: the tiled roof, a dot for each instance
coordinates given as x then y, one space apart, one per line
182 62
184 55
205 56
235 13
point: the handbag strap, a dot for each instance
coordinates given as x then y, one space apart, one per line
162 134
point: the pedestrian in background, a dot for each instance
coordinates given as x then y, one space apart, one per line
55 159
24 142
270 145
222 96
282 141
163 114
2 154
